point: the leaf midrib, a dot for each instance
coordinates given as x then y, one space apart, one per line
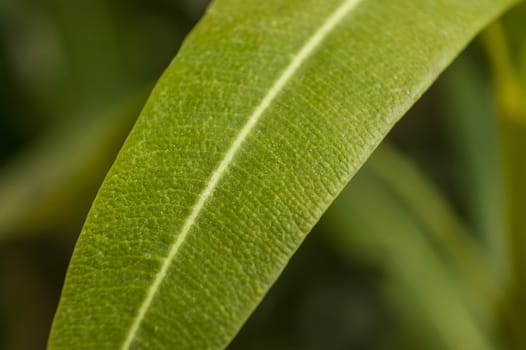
310 46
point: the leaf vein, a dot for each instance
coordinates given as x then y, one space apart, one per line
310 46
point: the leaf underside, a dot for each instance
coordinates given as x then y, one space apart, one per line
265 114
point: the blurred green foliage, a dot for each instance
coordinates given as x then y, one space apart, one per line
425 249
74 76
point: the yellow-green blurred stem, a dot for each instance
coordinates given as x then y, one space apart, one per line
514 158
512 105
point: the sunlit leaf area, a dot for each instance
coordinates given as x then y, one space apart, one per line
425 248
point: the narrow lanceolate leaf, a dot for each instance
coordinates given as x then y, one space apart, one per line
265 114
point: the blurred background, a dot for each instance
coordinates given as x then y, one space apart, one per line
425 249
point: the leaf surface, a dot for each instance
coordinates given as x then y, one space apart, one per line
265 114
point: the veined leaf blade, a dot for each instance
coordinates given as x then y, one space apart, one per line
263 117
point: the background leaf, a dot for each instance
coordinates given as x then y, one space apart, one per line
430 259
70 163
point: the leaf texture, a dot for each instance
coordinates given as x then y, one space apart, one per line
265 114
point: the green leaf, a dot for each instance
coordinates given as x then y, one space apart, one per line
263 117
70 167
472 124
444 229
417 225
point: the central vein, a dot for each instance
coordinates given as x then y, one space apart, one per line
312 43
